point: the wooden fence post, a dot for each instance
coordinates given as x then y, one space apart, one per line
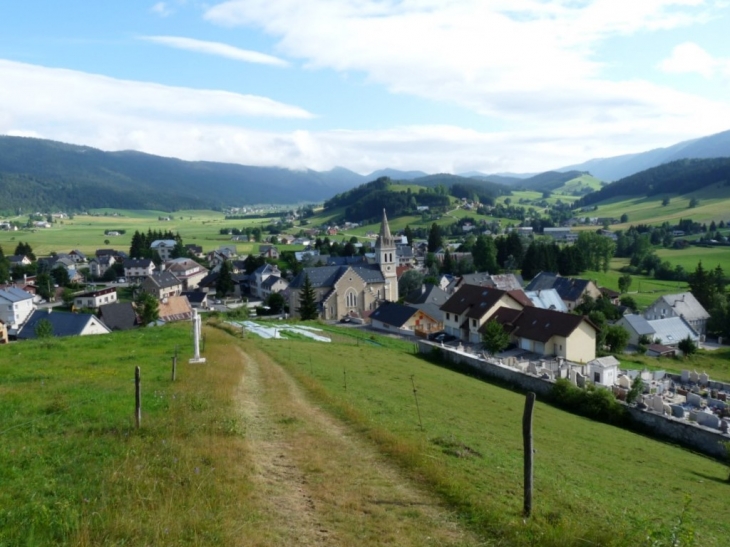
137 398
527 442
174 366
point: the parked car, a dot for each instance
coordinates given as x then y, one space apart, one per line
441 336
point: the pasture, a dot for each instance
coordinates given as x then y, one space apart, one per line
596 484
87 232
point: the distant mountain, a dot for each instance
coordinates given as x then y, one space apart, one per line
677 177
618 167
394 174
45 175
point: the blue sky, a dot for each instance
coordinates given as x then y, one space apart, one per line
441 86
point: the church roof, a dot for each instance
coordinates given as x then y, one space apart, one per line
385 239
327 276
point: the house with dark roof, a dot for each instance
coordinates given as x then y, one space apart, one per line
402 319
100 265
550 333
63 324
505 282
683 305
197 299
119 316
428 298
269 251
162 285
571 291
137 270
19 260
472 305
189 272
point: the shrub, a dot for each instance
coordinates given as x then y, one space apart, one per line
595 403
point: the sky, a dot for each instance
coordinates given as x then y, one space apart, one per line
452 86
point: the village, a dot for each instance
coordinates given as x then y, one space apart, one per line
545 338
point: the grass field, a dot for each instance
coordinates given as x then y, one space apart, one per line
86 232
714 204
74 469
596 484
76 472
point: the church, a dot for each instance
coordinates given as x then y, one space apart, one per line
351 291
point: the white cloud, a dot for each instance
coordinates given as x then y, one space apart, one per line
525 61
81 96
162 9
689 58
206 125
216 48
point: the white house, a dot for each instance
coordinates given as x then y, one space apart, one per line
94 299
163 247
16 305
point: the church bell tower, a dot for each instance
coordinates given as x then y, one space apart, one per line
387 260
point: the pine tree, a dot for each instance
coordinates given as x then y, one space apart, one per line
485 255
307 301
137 248
224 285
435 240
702 285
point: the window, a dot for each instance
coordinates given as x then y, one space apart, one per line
448 317
597 377
473 322
351 299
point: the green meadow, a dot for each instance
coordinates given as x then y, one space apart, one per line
595 484
86 232
713 205
77 472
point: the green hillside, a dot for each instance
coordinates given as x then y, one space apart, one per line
713 204
42 175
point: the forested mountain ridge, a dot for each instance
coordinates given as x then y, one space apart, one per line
37 174
677 177
619 167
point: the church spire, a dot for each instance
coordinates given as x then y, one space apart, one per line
385 237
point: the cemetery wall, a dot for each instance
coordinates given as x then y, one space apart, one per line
701 439
491 370
693 436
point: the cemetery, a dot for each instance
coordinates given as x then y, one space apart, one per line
690 408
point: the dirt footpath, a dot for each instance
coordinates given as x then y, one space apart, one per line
318 483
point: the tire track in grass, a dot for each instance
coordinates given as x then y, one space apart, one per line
326 484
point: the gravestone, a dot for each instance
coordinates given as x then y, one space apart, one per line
704 378
532 368
659 375
667 409
694 377
685 376
646 376
716 403
677 411
708 420
656 404
725 426
580 380
694 399
624 381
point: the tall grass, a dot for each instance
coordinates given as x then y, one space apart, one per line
74 469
